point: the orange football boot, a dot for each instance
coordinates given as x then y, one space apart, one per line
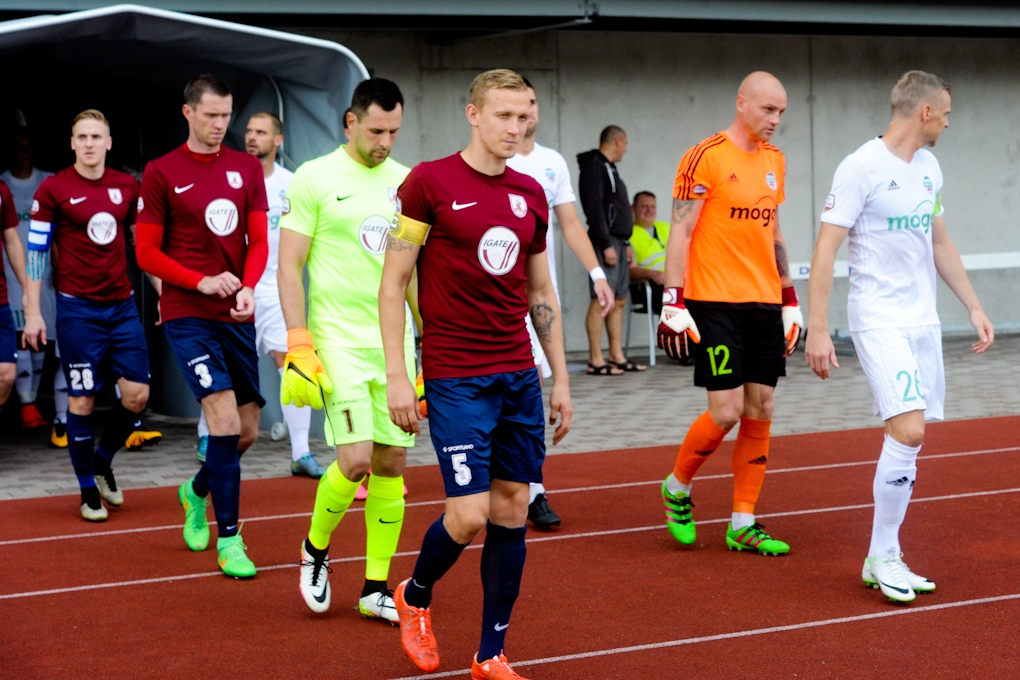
416 635
495 668
31 418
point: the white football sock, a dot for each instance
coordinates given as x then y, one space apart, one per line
203 427
673 485
23 381
38 359
894 482
299 422
535 489
739 520
60 397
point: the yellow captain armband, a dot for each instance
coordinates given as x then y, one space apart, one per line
411 231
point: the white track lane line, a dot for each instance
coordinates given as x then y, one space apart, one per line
603 487
737 634
478 546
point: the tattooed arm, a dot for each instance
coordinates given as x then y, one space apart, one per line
398 266
545 316
685 216
782 262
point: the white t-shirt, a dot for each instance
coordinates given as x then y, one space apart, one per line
888 205
276 192
23 191
547 167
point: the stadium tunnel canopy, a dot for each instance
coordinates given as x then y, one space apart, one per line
308 82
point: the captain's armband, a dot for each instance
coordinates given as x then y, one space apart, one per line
409 230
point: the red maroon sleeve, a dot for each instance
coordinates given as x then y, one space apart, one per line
8 212
258 248
412 200
148 243
541 208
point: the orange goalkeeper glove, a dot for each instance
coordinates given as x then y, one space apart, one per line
304 376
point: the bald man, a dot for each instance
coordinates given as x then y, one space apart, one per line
729 302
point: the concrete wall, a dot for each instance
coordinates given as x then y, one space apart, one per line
670 91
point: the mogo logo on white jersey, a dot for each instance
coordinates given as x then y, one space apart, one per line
498 250
221 217
373 234
102 228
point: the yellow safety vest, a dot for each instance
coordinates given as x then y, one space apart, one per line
649 250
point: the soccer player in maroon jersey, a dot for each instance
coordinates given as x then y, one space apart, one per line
483 390
202 231
84 210
10 241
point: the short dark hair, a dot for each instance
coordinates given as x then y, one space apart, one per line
379 91
199 85
611 134
642 193
527 82
273 118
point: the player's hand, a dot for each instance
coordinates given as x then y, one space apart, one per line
222 285
605 296
793 320
609 255
985 330
658 278
245 305
304 376
402 400
559 403
630 256
820 352
676 326
419 389
34 335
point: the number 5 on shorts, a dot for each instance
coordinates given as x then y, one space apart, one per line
463 472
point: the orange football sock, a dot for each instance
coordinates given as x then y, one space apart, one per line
702 439
750 455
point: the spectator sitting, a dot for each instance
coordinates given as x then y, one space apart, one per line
648 240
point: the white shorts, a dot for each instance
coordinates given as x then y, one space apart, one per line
536 349
270 328
904 368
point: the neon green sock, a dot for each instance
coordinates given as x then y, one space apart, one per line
334 495
384 517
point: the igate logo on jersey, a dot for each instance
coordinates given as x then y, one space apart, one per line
234 179
518 205
102 228
920 218
221 217
764 214
498 250
115 196
373 233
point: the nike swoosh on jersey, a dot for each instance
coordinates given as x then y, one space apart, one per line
181 190
461 206
76 201
344 198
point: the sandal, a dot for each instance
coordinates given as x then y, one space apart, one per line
604 369
628 366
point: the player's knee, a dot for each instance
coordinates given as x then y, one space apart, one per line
8 372
910 435
135 399
355 469
389 461
726 416
464 523
248 436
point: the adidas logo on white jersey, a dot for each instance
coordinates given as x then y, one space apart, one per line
893 186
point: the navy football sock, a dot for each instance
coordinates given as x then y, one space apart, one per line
80 446
502 567
119 425
200 482
224 473
438 553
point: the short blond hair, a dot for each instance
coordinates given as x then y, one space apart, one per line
496 79
915 88
90 114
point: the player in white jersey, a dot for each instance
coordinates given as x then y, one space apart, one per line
547 167
23 180
886 197
263 138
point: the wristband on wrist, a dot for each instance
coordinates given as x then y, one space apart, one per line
673 296
299 337
597 274
790 297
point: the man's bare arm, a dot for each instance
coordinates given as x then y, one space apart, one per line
577 240
819 350
782 261
682 222
949 265
398 266
545 317
294 249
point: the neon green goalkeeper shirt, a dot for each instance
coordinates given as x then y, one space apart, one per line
346 209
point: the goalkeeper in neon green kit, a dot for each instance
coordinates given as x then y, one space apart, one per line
340 207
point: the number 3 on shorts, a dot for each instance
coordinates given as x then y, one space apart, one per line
204 379
463 476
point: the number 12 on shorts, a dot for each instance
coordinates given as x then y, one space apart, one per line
718 357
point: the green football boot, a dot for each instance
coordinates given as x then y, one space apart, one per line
678 515
754 537
233 558
196 528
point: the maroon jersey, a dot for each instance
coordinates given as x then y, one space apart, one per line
8 220
471 272
203 207
89 217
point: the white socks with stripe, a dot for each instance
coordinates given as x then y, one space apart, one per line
894 482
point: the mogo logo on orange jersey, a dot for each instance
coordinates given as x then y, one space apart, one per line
765 215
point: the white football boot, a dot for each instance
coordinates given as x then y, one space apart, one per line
918 583
890 576
314 579
379 606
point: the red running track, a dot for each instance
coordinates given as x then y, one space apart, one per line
610 595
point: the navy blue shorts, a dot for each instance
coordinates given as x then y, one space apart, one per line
100 338
487 427
8 336
216 356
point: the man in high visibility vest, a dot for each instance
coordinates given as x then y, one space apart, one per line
648 240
